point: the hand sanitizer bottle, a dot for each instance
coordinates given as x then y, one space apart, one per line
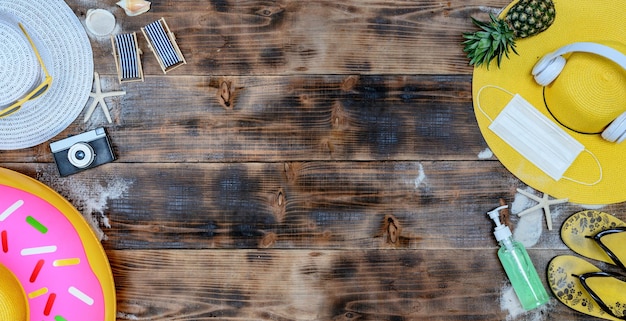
518 266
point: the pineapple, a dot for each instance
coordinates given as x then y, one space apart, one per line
524 19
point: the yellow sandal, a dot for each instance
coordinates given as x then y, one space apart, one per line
585 288
596 235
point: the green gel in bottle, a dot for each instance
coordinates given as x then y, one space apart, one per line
518 266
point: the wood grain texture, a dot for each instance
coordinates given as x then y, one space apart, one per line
316 285
293 118
254 37
314 205
292 205
314 160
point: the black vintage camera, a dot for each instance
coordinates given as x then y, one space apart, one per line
83 151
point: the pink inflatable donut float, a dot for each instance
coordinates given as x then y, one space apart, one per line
53 253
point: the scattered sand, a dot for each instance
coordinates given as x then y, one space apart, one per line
510 303
592 207
529 227
126 316
485 154
421 176
89 197
494 11
522 202
528 231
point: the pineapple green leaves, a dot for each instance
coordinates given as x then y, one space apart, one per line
497 37
494 40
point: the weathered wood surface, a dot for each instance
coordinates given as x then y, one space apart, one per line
314 160
306 285
305 205
314 37
269 119
309 241
297 205
328 285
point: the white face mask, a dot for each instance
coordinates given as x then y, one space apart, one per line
536 138
540 140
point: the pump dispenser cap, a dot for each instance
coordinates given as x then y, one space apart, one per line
501 232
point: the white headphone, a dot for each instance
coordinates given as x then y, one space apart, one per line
550 66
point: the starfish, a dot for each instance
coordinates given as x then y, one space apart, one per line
542 202
98 98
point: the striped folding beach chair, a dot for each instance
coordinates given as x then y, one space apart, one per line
163 44
127 57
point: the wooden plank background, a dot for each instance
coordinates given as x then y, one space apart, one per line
314 160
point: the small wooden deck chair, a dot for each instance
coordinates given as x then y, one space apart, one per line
163 44
127 57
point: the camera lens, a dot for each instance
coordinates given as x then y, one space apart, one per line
81 155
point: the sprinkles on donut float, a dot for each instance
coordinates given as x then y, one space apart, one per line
52 266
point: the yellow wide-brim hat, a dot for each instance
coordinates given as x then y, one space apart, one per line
586 97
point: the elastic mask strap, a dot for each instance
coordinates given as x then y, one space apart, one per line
478 99
491 120
585 183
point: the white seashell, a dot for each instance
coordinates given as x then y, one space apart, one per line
134 7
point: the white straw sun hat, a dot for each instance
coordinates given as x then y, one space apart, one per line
66 52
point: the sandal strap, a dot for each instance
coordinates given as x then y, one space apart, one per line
611 254
583 280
